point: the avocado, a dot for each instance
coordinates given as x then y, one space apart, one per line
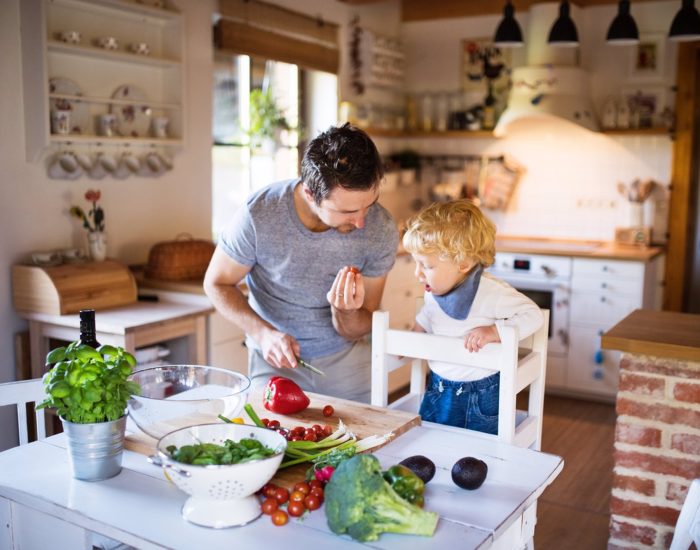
469 472
420 465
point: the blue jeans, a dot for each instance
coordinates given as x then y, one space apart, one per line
472 405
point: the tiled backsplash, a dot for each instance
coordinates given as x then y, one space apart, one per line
569 189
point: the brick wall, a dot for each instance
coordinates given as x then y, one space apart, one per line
657 449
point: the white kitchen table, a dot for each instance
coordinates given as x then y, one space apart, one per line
42 506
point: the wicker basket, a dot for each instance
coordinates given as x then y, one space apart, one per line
179 260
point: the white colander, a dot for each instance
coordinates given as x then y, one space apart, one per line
220 496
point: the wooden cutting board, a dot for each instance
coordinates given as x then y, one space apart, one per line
363 420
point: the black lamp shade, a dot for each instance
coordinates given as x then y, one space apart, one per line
508 33
563 32
686 23
623 30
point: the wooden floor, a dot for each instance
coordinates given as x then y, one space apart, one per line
573 512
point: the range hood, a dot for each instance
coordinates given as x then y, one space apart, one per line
551 85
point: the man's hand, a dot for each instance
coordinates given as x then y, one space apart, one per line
480 336
279 349
348 290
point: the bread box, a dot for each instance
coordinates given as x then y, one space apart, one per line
68 288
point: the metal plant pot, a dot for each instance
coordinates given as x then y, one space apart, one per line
95 450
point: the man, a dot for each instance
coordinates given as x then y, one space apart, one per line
314 253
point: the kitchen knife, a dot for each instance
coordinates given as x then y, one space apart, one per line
313 369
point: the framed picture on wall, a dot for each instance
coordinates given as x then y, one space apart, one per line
647 58
647 105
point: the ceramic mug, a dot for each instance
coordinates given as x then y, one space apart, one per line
85 161
60 122
70 37
46 258
108 125
160 126
65 166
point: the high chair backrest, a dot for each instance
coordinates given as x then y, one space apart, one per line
392 349
19 394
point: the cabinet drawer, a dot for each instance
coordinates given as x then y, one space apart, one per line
591 369
221 330
611 268
609 285
601 308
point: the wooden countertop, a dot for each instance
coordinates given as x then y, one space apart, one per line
659 333
583 249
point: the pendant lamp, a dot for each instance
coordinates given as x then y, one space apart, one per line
686 24
508 33
623 30
563 32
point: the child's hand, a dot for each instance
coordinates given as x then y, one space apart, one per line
480 336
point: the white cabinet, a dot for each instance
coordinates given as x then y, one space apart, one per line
89 80
227 348
603 292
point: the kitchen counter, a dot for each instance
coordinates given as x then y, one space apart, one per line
585 249
658 333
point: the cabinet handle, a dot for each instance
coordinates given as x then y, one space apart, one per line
408 294
603 285
605 268
602 299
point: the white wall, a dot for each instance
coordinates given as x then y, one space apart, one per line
138 211
569 189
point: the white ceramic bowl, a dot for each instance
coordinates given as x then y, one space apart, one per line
178 396
220 495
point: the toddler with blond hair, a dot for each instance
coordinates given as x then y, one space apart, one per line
451 244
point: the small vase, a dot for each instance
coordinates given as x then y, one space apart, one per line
636 214
97 243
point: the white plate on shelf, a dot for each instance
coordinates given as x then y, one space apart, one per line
80 121
133 120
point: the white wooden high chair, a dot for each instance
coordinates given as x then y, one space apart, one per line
19 394
392 349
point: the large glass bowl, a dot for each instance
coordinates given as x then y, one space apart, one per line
178 396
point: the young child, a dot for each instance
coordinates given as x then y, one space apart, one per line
451 244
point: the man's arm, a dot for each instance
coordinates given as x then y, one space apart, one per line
355 323
220 285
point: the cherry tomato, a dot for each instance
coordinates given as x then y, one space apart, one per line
296 508
317 492
281 495
269 490
318 430
312 502
280 517
315 484
327 430
328 410
273 424
296 438
302 487
297 496
310 436
298 430
269 506
265 421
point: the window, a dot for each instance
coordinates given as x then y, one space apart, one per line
252 151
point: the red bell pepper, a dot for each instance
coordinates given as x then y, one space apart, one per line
284 396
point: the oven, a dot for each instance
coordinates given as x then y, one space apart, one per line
546 280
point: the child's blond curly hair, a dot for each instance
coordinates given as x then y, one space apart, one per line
457 231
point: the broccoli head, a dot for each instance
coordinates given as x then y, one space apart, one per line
358 501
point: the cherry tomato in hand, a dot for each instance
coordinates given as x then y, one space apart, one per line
354 270
280 517
328 410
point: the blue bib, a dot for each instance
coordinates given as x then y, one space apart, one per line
458 302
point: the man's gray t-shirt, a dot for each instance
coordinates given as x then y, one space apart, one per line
293 268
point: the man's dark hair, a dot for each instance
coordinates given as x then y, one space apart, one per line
343 156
